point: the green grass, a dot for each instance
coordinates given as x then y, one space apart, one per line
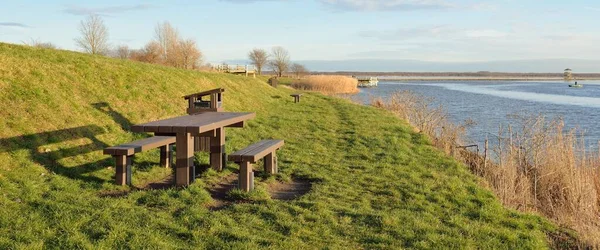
376 184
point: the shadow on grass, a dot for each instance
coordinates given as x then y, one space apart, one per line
116 116
45 148
42 150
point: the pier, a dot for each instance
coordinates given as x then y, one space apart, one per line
366 81
236 69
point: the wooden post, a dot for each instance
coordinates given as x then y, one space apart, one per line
217 149
166 154
246 177
121 169
191 102
270 163
185 159
196 143
485 153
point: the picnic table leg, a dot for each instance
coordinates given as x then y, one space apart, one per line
185 158
217 149
197 145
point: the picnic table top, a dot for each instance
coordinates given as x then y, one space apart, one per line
197 123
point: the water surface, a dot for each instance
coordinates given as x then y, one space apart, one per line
490 103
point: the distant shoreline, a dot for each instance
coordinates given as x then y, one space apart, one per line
515 79
465 76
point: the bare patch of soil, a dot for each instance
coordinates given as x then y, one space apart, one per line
289 190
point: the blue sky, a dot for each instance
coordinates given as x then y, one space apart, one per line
426 30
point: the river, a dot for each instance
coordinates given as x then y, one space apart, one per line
491 103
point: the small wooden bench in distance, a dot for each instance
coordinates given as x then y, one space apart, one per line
296 97
123 155
245 157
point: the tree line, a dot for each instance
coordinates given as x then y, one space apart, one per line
278 61
167 48
170 49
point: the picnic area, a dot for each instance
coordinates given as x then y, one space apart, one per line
106 153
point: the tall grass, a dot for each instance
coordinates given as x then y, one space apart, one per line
535 165
328 84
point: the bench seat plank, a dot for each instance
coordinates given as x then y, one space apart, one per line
142 145
256 151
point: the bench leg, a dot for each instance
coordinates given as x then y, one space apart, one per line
270 163
246 177
123 170
166 156
217 149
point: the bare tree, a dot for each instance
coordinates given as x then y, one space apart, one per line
259 58
150 53
168 38
94 35
280 60
188 56
123 52
298 70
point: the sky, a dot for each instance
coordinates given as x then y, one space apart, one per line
368 31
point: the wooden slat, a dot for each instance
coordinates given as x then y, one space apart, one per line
140 145
256 151
237 155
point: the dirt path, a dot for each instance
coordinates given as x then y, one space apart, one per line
278 190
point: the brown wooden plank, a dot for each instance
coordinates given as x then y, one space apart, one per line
194 124
237 155
133 147
257 153
203 93
237 125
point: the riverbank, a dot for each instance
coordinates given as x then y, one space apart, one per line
374 182
533 163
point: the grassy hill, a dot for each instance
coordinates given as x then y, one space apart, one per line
375 183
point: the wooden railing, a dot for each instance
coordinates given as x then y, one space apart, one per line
234 68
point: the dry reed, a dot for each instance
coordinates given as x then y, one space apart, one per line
536 167
328 84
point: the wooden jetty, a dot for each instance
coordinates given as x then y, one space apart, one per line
366 81
236 69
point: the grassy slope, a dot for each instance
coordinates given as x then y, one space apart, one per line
376 183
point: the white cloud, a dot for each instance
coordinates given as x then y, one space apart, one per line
13 25
387 5
485 33
79 10
410 33
593 8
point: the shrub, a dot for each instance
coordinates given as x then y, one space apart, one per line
328 84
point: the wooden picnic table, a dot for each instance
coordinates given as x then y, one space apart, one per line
184 128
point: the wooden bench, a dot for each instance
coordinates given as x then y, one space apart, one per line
123 155
245 157
296 97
